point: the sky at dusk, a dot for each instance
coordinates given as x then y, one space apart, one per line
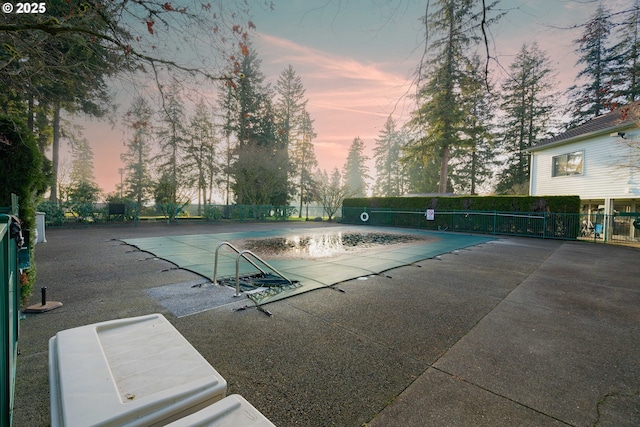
356 59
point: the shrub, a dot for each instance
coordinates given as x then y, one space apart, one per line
82 200
22 174
54 214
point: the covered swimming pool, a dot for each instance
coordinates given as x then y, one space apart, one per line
308 270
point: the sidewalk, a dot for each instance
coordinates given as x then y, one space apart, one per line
513 332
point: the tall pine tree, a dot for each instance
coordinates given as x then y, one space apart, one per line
200 152
137 158
596 95
355 171
82 159
289 112
389 170
473 161
259 169
528 103
304 159
172 138
439 118
626 52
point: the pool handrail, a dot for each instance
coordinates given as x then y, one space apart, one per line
244 254
236 250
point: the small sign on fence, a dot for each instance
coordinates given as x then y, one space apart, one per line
430 214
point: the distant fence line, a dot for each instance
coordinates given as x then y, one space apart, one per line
56 215
618 228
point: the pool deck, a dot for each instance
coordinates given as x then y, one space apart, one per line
516 331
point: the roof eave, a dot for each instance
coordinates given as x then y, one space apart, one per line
599 132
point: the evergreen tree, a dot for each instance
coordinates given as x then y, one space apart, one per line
62 73
596 96
355 171
627 63
83 192
473 160
386 153
137 158
421 164
528 103
257 176
290 113
304 159
228 107
40 125
172 138
200 153
439 116
256 135
64 53
82 159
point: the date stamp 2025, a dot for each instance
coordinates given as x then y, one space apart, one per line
24 8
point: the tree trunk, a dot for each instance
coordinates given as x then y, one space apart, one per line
444 169
301 194
55 156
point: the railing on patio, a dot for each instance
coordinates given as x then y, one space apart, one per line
622 227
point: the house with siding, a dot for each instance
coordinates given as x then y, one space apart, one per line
600 162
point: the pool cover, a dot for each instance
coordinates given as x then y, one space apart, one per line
196 253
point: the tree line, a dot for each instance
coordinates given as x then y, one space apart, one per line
466 135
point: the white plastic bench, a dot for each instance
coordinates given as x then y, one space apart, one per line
128 372
233 410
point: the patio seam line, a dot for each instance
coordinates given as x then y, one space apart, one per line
456 377
443 354
500 301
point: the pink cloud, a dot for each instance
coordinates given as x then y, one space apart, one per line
347 98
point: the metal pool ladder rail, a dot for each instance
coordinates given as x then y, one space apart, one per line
245 255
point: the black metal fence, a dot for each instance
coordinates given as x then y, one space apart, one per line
102 213
617 228
546 225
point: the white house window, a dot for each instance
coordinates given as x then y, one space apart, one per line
568 164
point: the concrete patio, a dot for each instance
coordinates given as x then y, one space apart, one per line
510 332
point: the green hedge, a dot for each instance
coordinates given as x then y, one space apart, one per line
557 204
546 217
21 173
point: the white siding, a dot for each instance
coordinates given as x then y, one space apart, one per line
606 171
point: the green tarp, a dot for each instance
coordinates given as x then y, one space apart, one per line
197 253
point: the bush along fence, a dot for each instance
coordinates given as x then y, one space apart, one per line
544 217
129 212
555 217
532 224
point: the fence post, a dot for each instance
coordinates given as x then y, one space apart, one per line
9 311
